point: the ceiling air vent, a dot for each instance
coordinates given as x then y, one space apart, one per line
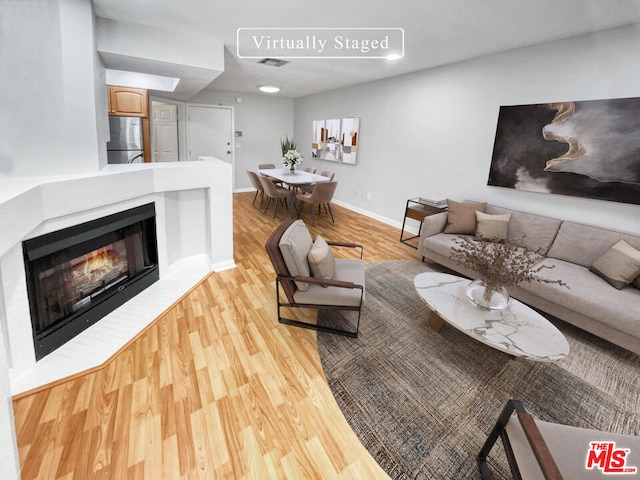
273 62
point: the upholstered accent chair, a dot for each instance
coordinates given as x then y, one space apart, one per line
308 276
275 193
257 184
322 194
549 451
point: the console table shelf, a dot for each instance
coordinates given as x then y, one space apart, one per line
417 209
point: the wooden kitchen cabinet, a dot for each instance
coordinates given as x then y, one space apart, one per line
127 101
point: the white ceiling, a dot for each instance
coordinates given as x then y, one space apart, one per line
437 32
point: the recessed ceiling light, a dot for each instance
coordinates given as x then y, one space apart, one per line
394 56
269 88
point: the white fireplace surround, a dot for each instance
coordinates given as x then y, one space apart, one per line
194 224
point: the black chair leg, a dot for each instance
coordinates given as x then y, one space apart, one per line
331 212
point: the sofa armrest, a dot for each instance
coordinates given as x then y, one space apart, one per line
433 224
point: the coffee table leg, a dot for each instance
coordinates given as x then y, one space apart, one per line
436 321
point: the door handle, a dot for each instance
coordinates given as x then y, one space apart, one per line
228 152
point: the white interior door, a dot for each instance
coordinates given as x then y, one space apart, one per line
210 132
164 146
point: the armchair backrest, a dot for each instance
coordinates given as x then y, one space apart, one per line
272 246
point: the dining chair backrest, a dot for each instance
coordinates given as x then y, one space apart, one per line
271 189
255 180
266 166
310 169
322 192
328 174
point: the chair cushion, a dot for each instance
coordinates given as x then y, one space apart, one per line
569 447
348 270
321 259
295 244
492 227
462 217
619 265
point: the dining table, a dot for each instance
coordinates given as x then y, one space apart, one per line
294 179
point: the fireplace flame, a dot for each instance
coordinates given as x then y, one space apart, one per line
99 264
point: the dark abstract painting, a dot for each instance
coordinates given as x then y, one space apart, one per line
587 149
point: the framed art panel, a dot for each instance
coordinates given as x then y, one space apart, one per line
336 140
585 148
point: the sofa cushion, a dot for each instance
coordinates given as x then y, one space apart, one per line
619 265
321 260
588 295
462 217
492 227
584 244
295 244
535 232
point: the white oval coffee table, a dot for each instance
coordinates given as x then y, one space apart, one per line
517 330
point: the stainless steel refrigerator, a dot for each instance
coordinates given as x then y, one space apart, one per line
126 140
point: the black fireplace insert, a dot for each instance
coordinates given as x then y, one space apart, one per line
77 275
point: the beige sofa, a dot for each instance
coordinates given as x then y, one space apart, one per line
590 302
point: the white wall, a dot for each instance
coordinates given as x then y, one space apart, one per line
50 116
263 121
9 463
432 132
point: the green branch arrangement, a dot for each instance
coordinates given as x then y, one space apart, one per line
287 144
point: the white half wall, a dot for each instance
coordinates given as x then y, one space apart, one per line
431 132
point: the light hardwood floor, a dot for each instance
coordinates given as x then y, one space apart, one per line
214 388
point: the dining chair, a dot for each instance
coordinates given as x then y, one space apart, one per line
273 192
255 181
321 195
325 173
269 166
310 169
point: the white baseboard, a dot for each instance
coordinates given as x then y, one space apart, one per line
375 216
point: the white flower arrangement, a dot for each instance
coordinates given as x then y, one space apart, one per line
291 157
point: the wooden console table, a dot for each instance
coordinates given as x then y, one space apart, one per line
417 209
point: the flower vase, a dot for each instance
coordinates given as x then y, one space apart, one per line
292 169
486 298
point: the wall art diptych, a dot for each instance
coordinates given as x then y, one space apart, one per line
584 148
336 140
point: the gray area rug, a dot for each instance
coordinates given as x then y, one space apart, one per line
423 402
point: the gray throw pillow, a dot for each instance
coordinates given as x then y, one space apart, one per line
619 265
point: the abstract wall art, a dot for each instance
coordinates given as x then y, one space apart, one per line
336 140
583 148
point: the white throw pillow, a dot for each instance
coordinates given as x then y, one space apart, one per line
492 227
321 260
